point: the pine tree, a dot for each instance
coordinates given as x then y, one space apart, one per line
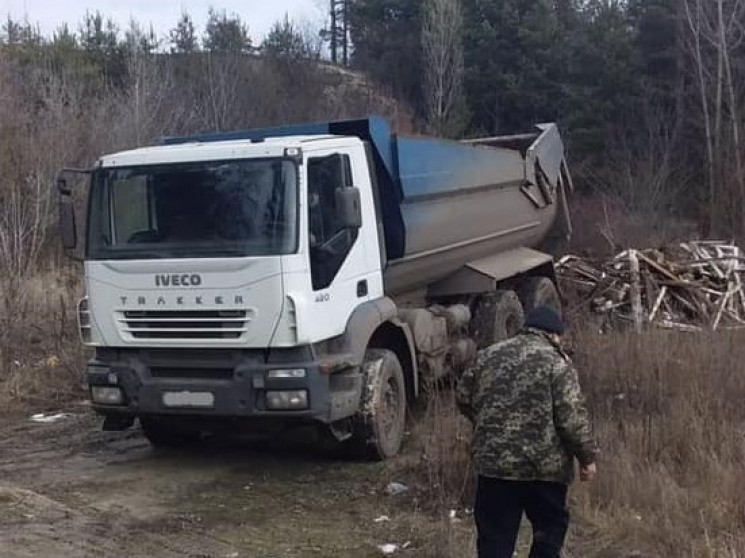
183 37
226 34
99 39
64 39
136 39
20 33
97 35
285 41
514 66
386 35
604 76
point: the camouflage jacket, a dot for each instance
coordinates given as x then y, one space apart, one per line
524 400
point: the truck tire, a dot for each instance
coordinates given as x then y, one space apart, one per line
380 424
539 291
496 316
167 432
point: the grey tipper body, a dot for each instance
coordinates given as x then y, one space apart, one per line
528 412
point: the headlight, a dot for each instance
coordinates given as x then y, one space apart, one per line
106 395
293 373
287 400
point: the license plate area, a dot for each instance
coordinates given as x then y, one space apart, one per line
186 399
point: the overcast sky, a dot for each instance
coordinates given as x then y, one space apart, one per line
163 14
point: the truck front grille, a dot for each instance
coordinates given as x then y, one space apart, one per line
184 324
192 373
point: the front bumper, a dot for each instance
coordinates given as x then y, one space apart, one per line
238 381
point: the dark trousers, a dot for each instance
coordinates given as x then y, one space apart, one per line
499 508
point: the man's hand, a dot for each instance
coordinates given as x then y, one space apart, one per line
588 472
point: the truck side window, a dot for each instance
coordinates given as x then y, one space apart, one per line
330 242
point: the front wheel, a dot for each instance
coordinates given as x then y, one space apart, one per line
379 429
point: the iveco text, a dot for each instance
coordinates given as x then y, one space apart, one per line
176 280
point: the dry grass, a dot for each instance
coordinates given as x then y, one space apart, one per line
671 422
669 415
437 468
45 357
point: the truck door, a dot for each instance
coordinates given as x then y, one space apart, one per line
341 274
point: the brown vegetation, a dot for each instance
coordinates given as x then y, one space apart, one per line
669 417
603 226
45 357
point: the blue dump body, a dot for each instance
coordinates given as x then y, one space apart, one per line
444 203
430 168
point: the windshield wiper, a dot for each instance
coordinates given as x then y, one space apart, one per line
135 254
217 252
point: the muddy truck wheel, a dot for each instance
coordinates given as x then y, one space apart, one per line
168 432
539 291
496 316
379 428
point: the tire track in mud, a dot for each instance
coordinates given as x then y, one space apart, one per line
69 490
53 482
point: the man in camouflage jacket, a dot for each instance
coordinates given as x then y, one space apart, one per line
530 422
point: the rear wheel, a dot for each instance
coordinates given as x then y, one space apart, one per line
168 432
539 291
496 316
379 429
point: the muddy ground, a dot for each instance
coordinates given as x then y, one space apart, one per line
67 489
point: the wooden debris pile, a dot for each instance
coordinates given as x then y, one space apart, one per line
692 286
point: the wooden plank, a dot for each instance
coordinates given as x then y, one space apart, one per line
657 303
669 324
687 303
657 267
634 292
720 311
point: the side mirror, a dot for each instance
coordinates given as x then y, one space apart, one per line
68 229
349 208
67 226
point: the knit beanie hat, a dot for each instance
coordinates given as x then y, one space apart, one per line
546 319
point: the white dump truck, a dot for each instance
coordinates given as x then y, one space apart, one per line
322 273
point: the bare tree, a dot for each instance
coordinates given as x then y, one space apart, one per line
442 53
715 35
36 147
147 100
223 73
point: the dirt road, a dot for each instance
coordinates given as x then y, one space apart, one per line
68 489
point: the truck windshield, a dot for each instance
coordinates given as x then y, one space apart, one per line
200 209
